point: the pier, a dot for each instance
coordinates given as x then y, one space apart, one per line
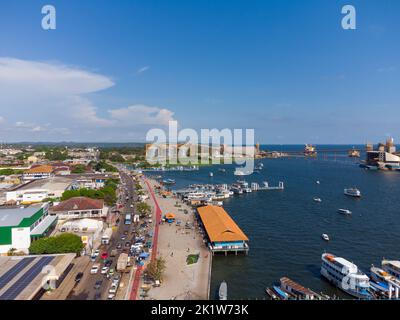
224 235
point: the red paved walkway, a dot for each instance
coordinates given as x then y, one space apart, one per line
158 221
136 281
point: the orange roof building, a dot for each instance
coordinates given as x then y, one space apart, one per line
40 169
223 233
38 172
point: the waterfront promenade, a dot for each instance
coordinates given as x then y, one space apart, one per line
181 281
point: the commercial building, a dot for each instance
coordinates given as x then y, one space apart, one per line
80 207
39 172
223 234
89 181
20 226
38 190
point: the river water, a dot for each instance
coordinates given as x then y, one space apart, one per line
285 227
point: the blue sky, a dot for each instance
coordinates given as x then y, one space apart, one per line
113 69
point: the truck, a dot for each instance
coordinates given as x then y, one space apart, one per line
122 262
105 239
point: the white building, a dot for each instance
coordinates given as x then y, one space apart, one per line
80 207
20 226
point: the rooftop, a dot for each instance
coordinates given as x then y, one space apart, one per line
10 217
78 203
21 277
40 169
219 226
51 184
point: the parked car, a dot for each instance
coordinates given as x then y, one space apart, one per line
78 277
104 270
113 289
108 263
94 269
111 296
104 255
119 245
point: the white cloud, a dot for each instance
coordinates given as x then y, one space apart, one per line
143 69
50 100
142 115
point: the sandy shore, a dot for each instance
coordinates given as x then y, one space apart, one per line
175 243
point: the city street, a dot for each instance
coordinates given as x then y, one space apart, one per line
85 289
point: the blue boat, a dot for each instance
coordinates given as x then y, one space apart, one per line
281 294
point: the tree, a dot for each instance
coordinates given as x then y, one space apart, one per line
156 269
63 243
79 168
143 208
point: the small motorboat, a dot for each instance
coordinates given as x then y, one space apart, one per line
352 192
211 174
345 211
168 181
223 291
317 182
280 293
271 294
325 237
221 170
317 199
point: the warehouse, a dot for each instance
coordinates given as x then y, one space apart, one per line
20 226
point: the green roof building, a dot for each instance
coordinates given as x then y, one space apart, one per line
20 226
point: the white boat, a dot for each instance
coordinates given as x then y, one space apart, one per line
223 291
247 190
317 199
392 267
380 279
352 192
211 174
242 172
344 211
317 182
325 237
346 276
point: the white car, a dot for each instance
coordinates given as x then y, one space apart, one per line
94 269
111 296
96 252
113 289
104 270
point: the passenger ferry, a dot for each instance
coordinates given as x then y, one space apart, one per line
346 276
352 192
